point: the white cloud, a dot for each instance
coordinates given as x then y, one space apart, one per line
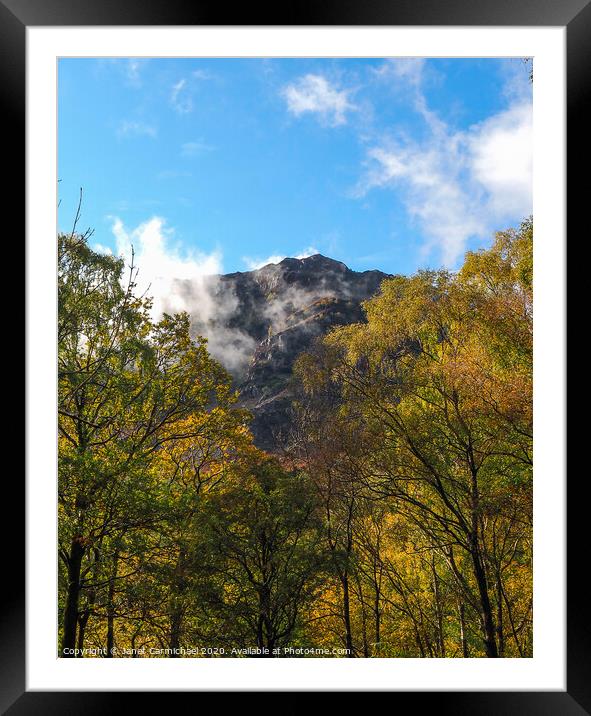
313 93
403 69
456 185
129 68
257 263
161 264
192 149
185 281
310 251
128 128
433 191
517 86
101 249
202 75
500 156
180 98
407 75
182 92
133 69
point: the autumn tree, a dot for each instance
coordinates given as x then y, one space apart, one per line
398 522
438 386
128 388
259 533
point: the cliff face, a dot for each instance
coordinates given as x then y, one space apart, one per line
273 314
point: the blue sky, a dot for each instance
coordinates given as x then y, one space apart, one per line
208 165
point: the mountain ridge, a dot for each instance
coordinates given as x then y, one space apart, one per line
268 316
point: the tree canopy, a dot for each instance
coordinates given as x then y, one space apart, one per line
397 523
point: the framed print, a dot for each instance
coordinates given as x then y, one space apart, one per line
307 398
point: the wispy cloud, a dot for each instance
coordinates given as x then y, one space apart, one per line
133 69
310 251
456 185
516 80
192 149
407 75
315 94
182 91
202 75
257 263
406 69
129 128
184 280
129 68
102 249
180 98
500 159
161 263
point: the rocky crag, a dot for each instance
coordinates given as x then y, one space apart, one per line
267 317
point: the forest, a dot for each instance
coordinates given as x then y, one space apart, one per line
396 523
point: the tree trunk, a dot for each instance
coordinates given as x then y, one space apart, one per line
500 638
438 610
487 620
111 608
179 584
463 641
364 619
176 619
378 617
486 613
265 635
72 598
82 621
347 616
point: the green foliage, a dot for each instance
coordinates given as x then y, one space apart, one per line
128 389
399 524
263 555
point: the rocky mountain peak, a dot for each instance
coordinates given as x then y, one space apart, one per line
266 317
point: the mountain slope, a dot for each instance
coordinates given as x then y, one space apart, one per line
267 317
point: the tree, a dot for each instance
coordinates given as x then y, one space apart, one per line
260 535
128 388
399 523
438 386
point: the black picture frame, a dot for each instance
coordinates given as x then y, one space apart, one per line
575 15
